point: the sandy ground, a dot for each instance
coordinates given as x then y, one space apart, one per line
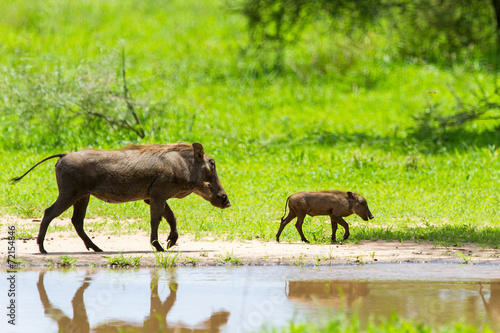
216 252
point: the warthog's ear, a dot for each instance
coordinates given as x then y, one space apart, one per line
198 151
350 195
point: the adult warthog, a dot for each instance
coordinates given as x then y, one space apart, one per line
153 173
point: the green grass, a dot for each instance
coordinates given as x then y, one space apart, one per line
67 261
271 134
340 322
168 258
230 259
122 261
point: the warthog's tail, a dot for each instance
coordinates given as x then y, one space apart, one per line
15 180
286 204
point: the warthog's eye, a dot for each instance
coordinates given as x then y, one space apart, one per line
212 162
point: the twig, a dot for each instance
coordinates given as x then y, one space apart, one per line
121 123
140 130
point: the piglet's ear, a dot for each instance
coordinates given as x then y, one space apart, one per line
350 195
198 151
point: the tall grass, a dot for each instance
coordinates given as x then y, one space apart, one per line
346 124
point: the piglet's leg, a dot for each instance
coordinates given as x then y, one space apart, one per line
284 222
298 225
343 223
334 229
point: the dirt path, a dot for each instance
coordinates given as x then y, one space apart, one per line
216 252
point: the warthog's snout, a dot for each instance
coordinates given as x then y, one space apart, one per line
368 217
224 200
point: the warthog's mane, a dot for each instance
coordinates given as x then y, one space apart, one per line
151 149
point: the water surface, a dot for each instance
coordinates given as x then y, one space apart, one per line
242 299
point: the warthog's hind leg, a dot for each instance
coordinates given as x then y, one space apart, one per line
79 210
57 208
291 215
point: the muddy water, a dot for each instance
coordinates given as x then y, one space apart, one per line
241 299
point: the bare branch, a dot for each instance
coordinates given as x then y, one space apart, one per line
130 107
121 123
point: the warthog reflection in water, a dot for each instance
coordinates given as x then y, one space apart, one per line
155 322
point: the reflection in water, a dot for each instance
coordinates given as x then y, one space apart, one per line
199 299
155 322
80 322
492 306
432 303
329 293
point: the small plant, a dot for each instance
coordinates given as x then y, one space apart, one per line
372 254
121 261
359 258
16 261
49 263
301 261
67 261
193 261
230 259
466 259
203 254
330 254
166 259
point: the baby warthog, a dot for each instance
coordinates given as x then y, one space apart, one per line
336 204
152 173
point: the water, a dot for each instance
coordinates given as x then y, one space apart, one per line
242 299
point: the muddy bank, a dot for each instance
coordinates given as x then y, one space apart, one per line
217 252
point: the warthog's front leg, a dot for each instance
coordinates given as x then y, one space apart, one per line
334 229
169 215
157 206
343 223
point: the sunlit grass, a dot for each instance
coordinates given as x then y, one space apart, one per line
272 134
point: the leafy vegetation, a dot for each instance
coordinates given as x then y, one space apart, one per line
122 261
436 31
345 113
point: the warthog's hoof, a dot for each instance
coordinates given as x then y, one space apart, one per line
157 246
172 239
41 248
93 247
